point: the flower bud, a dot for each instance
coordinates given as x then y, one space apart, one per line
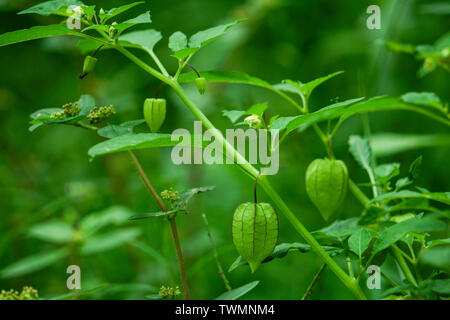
201 85
155 113
326 185
253 121
89 64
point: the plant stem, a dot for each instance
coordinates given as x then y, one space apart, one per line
313 282
350 267
147 182
158 63
216 256
173 225
403 265
351 284
358 193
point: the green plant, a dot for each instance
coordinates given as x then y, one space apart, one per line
384 228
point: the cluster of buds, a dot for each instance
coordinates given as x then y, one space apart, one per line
170 195
28 293
169 292
68 110
100 114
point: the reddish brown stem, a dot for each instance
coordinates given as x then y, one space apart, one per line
173 225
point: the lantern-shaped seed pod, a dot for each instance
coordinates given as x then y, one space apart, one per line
326 185
89 64
155 113
201 84
255 232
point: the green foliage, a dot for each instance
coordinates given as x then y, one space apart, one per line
49 7
238 292
53 205
38 32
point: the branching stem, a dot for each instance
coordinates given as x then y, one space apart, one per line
173 225
351 284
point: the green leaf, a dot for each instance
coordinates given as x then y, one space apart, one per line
238 292
307 88
187 195
143 39
388 144
42 117
143 18
53 231
108 241
112 216
226 77
443 197
283 249
38 32
360 149
338 230
387 171
134 142
178 41
33 263
441 286
437 257
49 7
153 215
233 115
396 232
359 241
327 113
342 109
414 168
202 38
80 293
423 98
437 242
116 11
400 47
125 128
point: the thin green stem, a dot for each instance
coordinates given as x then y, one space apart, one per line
314 280
216 255
358 193
158 63
403 265
351 284
181 65
350 267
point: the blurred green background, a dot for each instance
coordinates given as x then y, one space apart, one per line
46 175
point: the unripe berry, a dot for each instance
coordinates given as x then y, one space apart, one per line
89 64
326 185
201 85
155 113
255 232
